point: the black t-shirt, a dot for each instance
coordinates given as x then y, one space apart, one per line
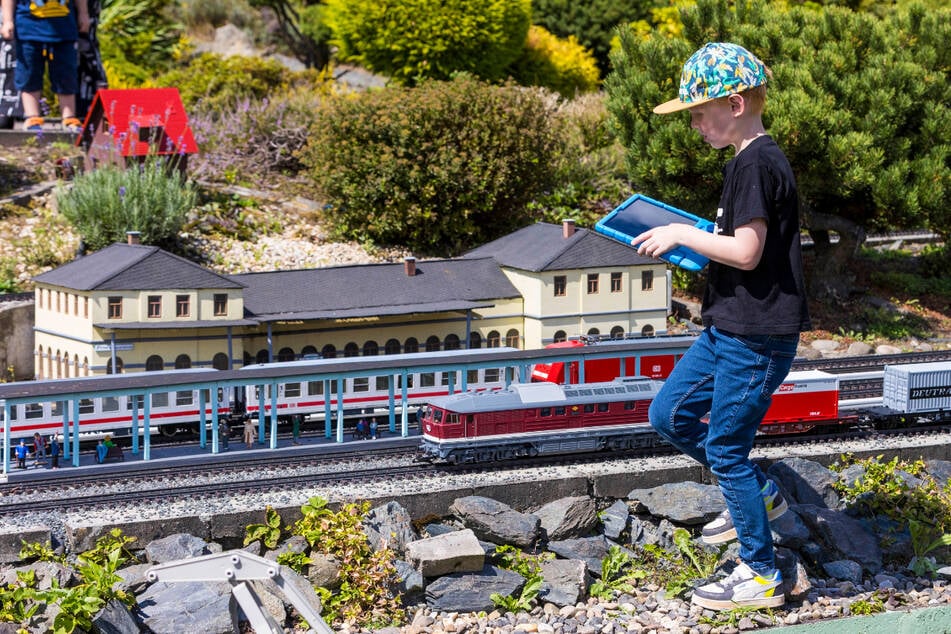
771 299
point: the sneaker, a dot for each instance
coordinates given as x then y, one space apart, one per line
742 588
33 124
722 530
72 124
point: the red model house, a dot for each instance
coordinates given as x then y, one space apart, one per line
127 125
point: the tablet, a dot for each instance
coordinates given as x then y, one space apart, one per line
639 213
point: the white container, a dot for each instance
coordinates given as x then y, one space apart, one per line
917 387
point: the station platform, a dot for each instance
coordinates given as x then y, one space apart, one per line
170 454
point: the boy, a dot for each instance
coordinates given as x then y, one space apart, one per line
754 308
46 30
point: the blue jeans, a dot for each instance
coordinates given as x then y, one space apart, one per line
731 377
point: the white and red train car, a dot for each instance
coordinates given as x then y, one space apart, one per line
548 418
653 366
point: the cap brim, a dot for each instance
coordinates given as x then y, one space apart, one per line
676 105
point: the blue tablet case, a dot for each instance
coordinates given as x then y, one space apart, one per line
639 213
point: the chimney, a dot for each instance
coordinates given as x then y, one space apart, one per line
133 237
409 266
567 228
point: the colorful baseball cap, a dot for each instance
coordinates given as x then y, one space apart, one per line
718 69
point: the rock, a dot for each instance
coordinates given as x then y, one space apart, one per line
174 547
689 503
197 606
444 554
472 592
390 526
568 517
496 522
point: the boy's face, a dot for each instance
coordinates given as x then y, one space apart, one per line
715 121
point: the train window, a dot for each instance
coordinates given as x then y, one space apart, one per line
110 404
292 390
585 392
619 390
32 410
136 400
599 390
361 384
56 408
452 419
560 410
491 375
437 415
544 411
160 399
382 383
427 379
86 406
447 375
472 376
315 388
13 412
183 397
588 408
602 407
630 405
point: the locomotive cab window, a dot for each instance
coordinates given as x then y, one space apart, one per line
588 408
629 405
452 418
544 411
560 410
602 407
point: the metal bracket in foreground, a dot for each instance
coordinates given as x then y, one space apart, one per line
237 567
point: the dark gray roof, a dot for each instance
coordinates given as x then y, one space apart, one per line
133 267
542 247
374 289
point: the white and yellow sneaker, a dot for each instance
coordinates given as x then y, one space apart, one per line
742 588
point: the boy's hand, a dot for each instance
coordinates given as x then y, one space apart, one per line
6 30
657 241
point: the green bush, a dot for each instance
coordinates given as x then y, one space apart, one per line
105 203
410 40
442 167
214 84
138 39
560 65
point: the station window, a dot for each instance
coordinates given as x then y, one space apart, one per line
182 305
616 279
85 307
115 308
561 285
221 304
155 306
647 280
593 283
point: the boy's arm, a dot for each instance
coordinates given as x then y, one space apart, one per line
82 15
6 29
742 250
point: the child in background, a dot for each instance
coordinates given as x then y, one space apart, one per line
46 34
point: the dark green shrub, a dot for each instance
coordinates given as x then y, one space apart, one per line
138 39
410 40
560 65
441 168
105 203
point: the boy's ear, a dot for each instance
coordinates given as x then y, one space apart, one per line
737 103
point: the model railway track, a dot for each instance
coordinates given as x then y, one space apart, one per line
840 365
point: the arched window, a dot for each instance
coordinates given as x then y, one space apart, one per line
285 354
594 332
392 346
411 346
85 366
432 344
647 331
119 366
512 339
308 351
617 333
328 352
262 356
220 361
351 350
49 363
76 365
475 341
59 355
451 342
183 362
494 340
371 349
154 363
560 335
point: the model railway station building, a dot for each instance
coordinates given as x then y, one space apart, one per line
132 307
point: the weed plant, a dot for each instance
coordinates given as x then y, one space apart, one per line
529 567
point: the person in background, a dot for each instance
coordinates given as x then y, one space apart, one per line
295 427
54 452
46 33
373 428
39 448
754 308
22 451
249 432
101 451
